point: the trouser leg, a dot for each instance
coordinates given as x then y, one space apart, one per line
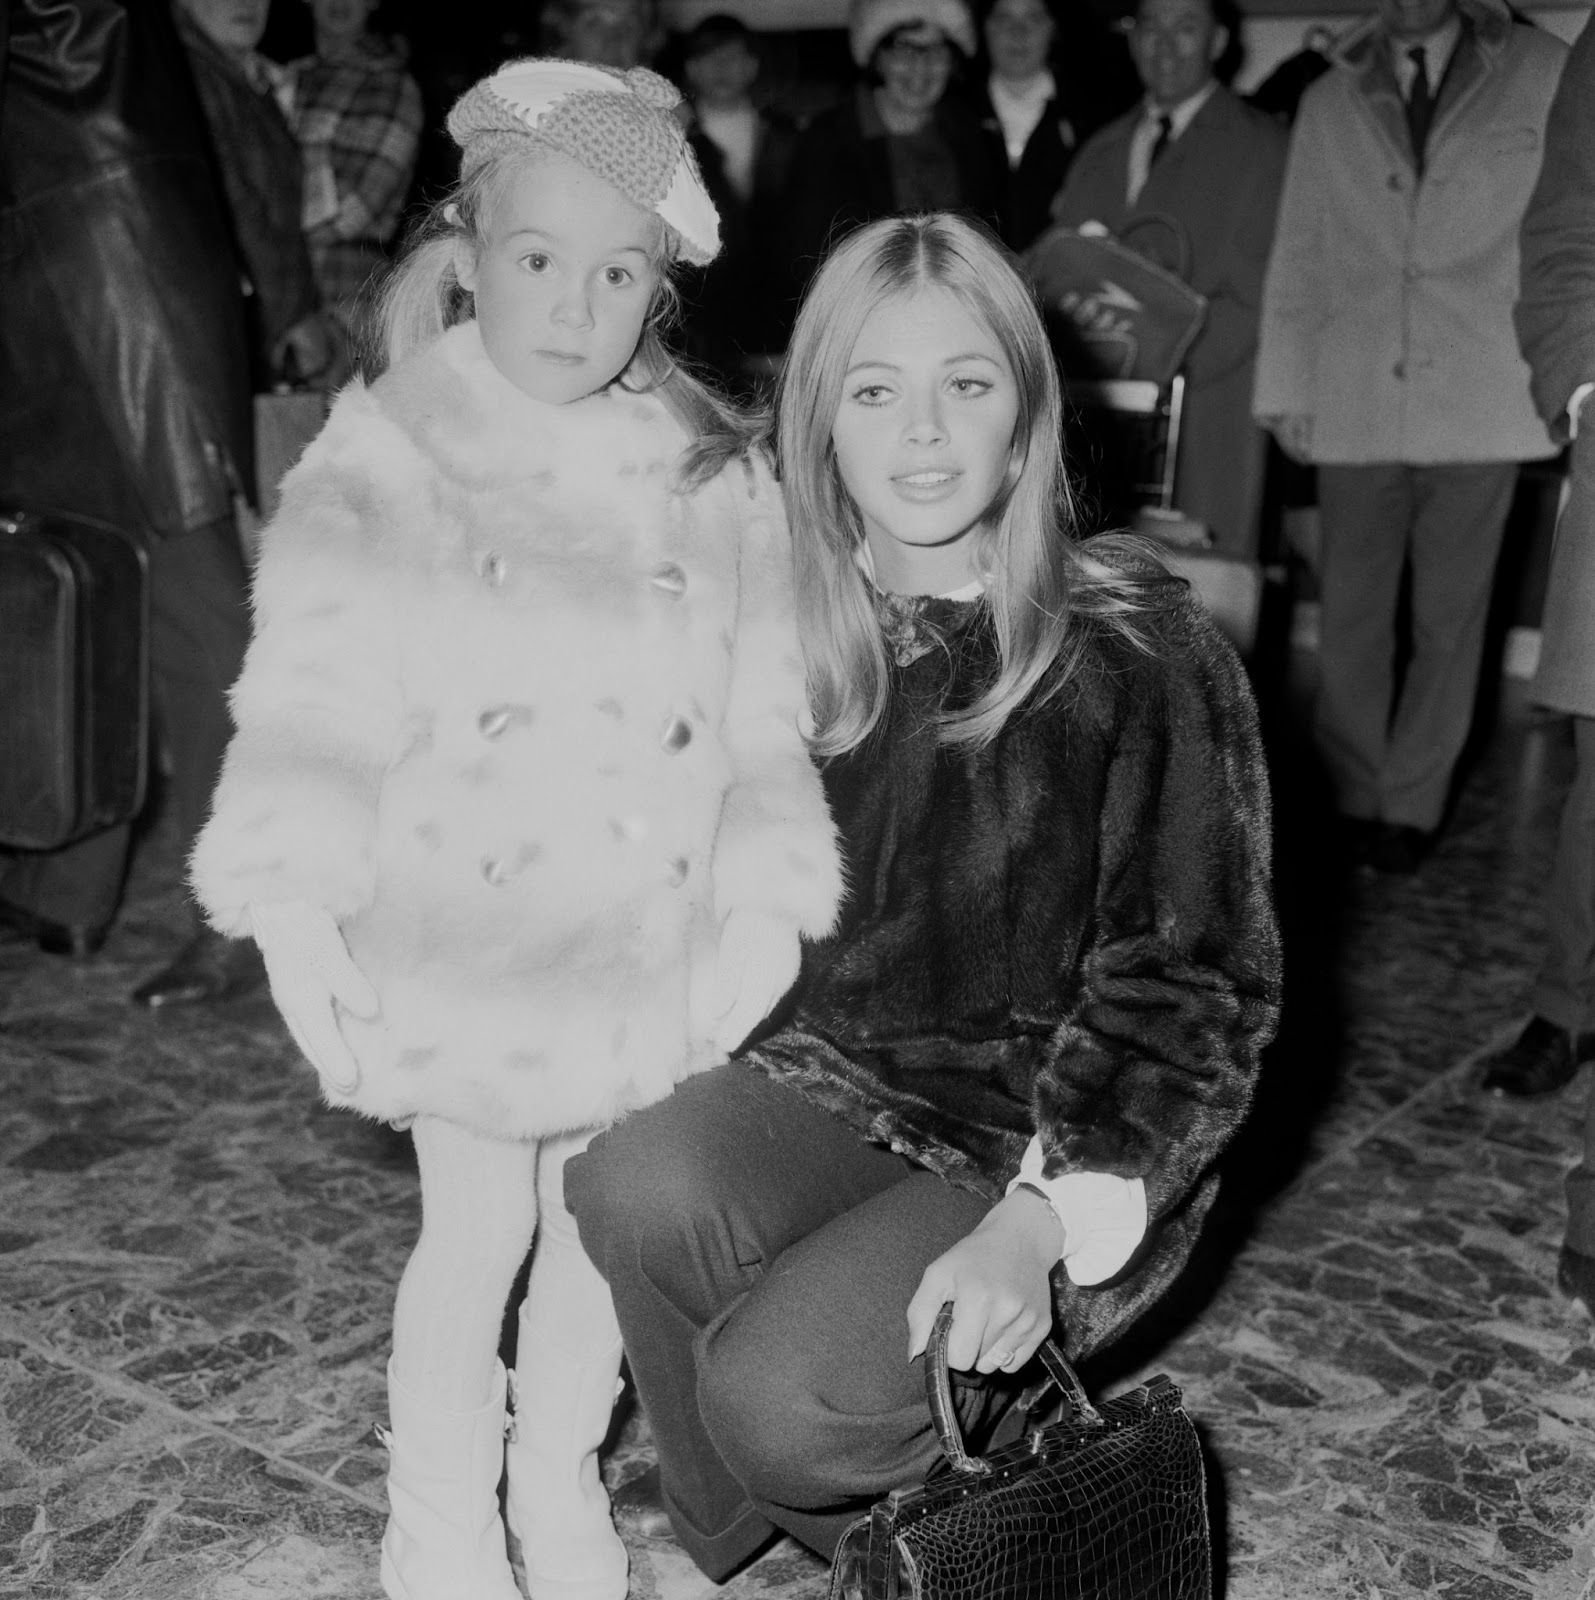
1458 520
79 885
682 1207
1564 992
805 1384
1364 514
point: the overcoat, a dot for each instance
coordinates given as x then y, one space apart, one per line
1219 183
1387 314
1556 326
524 719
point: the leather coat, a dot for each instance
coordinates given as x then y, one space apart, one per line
124 378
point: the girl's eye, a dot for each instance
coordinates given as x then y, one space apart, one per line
536 261
616 277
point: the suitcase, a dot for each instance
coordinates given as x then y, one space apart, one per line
74 678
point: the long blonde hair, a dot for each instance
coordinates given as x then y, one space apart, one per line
1037 577
421 297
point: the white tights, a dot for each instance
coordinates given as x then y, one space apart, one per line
480 1199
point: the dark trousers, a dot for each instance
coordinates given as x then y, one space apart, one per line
199 629
1393 762
762 1257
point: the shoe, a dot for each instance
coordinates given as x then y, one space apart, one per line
567 1373
1397 849
638 1505
445 1539
54 938
1575 1277
208 967
1540 1060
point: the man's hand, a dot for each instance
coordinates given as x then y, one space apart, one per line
999 1280
1294 432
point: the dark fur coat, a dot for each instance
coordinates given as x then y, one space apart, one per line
1068 932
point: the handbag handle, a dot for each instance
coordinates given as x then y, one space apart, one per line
939 1393
1176 231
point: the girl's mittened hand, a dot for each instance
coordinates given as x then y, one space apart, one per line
999 1280
759 956
312 974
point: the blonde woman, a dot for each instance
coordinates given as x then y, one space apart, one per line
1006 1077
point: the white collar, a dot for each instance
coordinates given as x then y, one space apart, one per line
1182 115
1038 91
1436 47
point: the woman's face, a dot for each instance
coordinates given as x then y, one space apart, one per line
340 21
1018 36
923 436
563 279
914 64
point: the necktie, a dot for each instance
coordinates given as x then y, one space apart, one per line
1420 104
1165 134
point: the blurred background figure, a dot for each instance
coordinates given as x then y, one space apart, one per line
356 113
906 139
1191 178
124 396
609 33
732 308
1056 75
242 94
1556 328
1388 358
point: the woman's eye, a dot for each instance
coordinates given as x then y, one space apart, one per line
970 386
536 261
872 394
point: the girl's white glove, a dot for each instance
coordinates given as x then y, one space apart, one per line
758 960
311 974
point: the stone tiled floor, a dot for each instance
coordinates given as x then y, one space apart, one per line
197 1264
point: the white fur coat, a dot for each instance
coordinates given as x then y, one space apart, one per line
524 719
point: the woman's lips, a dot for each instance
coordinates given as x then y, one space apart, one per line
930 483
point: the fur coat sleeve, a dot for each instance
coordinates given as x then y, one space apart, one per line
317 707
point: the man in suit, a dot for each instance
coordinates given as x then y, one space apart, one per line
1388 358
1195 155
1556 327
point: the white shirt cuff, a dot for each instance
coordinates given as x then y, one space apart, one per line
1103 1217
1575 405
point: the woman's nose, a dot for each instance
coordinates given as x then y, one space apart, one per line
926 424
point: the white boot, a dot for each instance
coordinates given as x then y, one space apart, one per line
567 1369
445 1538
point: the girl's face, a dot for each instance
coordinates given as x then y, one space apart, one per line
563 279
924 435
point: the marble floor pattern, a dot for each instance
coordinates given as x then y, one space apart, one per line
197 1264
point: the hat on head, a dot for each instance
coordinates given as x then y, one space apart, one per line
621 126
871 20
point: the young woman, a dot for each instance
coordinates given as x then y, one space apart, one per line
1005 1079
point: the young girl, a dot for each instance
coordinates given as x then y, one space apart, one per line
518 809
1005 1079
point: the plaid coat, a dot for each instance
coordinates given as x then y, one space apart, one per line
358 121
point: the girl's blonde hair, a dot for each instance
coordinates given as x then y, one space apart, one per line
1038 578
421 297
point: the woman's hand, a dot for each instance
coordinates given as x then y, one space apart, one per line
312 974
999 1281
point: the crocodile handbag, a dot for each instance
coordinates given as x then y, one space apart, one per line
1108 1503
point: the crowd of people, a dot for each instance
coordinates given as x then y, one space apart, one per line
899 930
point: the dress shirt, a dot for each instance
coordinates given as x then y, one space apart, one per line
1103 1217
735 133
1145 135
1437 48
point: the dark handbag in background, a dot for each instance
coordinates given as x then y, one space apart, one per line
74 678
1108 1503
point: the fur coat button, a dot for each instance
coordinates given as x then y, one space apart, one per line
494 722
677 735
492 569
669 579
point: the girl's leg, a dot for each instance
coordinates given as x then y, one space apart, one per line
567 1369
682 1206
446 1394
